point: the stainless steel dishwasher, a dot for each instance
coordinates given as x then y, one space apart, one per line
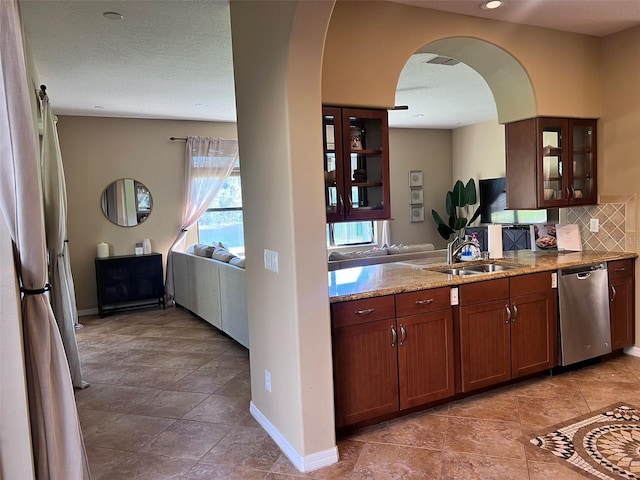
584 313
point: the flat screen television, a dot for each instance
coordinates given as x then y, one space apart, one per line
493 205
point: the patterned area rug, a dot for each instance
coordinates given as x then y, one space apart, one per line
604 444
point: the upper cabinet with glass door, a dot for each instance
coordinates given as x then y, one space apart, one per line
551 162
356 164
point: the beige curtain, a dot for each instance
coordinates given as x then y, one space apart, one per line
63 295
58 447
208 163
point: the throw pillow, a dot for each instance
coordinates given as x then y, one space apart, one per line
419 247
203 250
222 254
237 261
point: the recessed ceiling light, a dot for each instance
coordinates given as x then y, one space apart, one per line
201 105
98 107
418 115
113 15
492 4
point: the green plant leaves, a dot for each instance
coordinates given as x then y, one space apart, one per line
459 195
456 203
470 190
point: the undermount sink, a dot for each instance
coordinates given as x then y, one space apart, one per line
489 267
475 269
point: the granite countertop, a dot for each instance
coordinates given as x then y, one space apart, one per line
389 278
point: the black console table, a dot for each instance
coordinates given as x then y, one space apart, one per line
129 281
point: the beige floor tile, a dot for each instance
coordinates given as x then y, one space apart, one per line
493 405
220 409
249 447
108 464
377 461
465 466
187 440
613 370
545 412
128 432
150 377
485 437
552 471
203 381
94 421
226 472
600 394
239 386
113 398
163 344
177 360
424 430
171 404
561 386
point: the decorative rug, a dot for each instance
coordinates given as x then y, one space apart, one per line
604 444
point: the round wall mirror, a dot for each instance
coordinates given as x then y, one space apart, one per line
126 202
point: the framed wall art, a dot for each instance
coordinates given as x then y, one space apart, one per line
417 214
415 178
416 196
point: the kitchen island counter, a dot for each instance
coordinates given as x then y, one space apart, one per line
391 278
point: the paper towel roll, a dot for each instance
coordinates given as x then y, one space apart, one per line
103 250
495 241
146 246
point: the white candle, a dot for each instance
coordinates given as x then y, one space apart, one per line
103 250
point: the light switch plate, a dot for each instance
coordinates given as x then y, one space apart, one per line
271 260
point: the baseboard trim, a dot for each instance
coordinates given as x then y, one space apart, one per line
87 312
633 351
304 463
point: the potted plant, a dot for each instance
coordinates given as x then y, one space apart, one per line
459 203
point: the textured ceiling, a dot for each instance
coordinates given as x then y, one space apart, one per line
172 58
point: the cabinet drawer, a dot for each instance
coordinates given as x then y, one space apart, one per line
484 291
532 283
620 269
362 311
423 301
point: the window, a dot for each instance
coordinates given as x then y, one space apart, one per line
222 222
350 233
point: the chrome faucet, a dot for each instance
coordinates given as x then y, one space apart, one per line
455 247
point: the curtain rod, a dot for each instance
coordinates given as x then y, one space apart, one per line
178 138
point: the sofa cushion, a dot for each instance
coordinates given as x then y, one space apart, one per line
418 247
222 254
203 250
237 261
374 252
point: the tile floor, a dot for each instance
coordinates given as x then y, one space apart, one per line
169 399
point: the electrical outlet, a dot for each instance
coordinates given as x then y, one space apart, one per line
267 381
271 260
594 225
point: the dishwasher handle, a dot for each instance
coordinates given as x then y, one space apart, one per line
583 275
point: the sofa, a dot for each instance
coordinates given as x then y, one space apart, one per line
384 254
214 288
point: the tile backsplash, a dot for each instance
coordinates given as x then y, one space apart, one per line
616 215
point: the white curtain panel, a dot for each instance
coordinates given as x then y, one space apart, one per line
208 163
63 295
58 447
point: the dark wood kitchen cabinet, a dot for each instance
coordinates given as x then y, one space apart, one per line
621 303
391 353
129 281
508 328
551 162
356 164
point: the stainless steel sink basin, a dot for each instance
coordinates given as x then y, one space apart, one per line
475 269
489 267
456 271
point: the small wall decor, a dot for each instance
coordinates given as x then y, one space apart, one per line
417 214
416 196
415 178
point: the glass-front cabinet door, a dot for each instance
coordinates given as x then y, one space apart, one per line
356 166
582 184
553 139
567 160
333 171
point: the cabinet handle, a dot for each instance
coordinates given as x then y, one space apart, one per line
515 312
619 269
394 336
568 190
365 312
613 293
571 191
340 205
424 302
403 335
508 313
350 204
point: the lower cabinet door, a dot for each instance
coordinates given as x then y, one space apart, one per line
485 344
425 358
365 371
621 312
533 333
